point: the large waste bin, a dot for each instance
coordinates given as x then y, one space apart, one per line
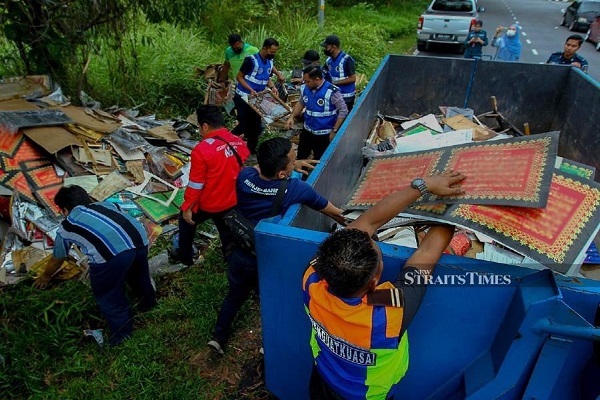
532 338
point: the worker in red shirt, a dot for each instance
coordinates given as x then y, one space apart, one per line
215 164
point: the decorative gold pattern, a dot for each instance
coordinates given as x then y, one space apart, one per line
387 175
508 170
551 231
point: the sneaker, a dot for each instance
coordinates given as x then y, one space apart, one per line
216 347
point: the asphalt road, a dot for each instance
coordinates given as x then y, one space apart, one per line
541 32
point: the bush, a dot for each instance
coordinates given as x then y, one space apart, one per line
10 63
153 70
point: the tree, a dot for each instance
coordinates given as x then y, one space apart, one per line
57 36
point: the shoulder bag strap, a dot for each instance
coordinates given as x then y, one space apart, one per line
235 153
279 197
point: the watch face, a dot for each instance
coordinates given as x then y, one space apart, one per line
417 182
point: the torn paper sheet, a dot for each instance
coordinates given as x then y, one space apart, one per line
111 184
425 140
126 153
165 132
88 182
429 121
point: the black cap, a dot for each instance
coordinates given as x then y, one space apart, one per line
479 23
331 40
310 57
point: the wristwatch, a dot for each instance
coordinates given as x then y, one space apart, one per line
420 185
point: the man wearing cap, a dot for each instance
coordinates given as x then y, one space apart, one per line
235 55
325 113
476 39
340 69
311 57
253 77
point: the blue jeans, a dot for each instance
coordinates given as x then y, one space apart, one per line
242 275
108 285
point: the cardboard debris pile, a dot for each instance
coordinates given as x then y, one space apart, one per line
523 204
140 163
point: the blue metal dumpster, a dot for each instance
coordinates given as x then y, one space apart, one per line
533 338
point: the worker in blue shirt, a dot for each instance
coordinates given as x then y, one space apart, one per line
476 39
569 54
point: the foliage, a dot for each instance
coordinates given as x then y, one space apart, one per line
154 69
10 63
57 36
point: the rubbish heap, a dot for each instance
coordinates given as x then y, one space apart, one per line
138 162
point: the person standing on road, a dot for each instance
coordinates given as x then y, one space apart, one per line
569 54
340 69
476 39
509 45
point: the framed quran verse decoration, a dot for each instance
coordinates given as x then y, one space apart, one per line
387 175
515 172
556 236
512 172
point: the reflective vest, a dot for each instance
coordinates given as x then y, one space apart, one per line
336 71
259 77
356 345
320 114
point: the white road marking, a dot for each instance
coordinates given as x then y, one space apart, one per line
534 51
528 41
523 33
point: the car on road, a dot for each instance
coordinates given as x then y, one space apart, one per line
447 22
580 14
593 34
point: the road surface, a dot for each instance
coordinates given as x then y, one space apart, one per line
541 32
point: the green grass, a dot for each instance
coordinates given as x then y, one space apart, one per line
48 358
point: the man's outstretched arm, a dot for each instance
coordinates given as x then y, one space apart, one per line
445 184
431 247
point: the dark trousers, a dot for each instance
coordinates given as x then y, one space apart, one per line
108 285
249 123
242 275
311 142
349 102
187 233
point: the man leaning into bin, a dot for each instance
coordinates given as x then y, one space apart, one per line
359 340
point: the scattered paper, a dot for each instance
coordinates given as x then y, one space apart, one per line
429 121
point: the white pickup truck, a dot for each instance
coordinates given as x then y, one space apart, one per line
447 22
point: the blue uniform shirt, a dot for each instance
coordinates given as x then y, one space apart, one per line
256 195
474 50
558 58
